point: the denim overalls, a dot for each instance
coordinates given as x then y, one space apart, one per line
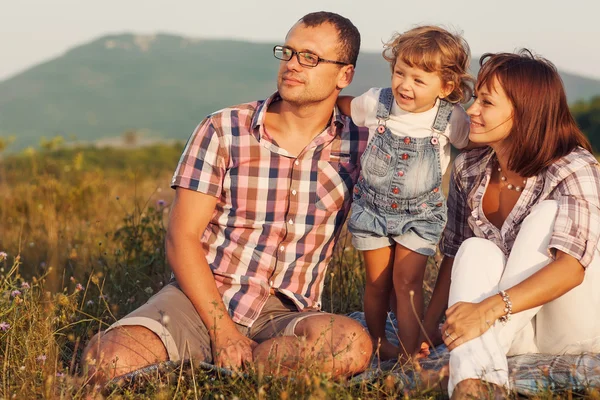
398 197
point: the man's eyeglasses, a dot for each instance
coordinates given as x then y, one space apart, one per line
305 58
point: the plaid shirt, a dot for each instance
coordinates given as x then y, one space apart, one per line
573 181
277 217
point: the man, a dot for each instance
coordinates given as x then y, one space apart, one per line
262 191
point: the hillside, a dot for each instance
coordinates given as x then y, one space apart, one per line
160 85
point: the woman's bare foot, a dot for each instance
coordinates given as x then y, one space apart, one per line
478 389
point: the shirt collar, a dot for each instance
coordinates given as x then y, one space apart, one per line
337 118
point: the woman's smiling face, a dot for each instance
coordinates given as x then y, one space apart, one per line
491 115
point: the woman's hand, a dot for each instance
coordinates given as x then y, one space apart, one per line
465 321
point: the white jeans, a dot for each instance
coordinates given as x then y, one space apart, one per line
569 324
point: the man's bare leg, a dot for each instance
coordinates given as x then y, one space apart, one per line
331 344
119 351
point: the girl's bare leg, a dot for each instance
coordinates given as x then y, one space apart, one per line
379 265
408 273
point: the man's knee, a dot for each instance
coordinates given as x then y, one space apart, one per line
346 339
122 350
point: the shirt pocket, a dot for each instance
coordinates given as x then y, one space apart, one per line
335 180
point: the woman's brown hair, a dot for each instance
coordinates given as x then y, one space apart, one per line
434 49
543 129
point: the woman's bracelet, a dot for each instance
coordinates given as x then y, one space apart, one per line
507 307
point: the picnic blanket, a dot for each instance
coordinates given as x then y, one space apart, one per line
530 374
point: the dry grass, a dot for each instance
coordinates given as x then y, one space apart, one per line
82 245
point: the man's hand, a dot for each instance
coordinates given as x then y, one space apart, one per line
232 350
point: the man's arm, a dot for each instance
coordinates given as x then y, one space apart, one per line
190 214
344 104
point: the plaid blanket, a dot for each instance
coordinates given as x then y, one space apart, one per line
529 373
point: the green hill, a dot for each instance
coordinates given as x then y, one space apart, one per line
160 85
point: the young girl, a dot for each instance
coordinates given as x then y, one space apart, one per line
399 210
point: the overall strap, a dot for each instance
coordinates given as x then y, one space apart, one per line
443 116
386 100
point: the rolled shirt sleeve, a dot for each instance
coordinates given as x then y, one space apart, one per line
577 226
203 163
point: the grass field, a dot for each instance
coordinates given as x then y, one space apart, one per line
82 244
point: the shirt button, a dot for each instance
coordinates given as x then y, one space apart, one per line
294 192
297 162
394 205
291 222
405 156
395 190
400 173
282 248
436 190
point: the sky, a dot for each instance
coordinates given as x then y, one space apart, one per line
566 32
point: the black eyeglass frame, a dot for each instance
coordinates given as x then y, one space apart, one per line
298 53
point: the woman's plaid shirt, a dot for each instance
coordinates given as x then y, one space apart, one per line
573 181
277 217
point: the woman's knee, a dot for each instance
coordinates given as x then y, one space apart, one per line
473 253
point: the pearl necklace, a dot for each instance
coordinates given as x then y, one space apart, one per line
510 186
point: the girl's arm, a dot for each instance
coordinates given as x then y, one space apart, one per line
467 321
343 103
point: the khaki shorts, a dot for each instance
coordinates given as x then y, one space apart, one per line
173 318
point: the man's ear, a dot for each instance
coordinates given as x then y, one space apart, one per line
345 76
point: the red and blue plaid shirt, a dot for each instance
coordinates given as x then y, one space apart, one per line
278 216
573 181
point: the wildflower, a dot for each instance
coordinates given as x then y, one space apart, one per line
72 279
79 287
60 374
149 290
15 293
41 357
25 285
4 326
3 255
90 302
161 203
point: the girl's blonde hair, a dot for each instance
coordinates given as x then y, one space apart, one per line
434 49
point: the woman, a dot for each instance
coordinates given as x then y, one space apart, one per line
521 243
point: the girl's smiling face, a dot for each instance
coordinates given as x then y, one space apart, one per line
416 90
